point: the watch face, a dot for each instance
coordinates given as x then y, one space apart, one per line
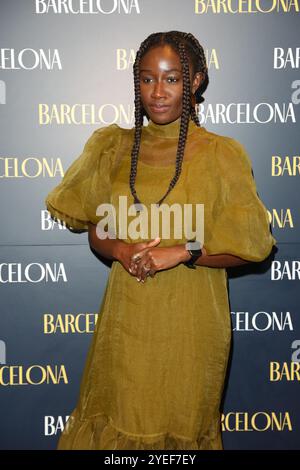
193 246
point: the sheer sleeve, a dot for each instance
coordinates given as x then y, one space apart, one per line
86 183
240 224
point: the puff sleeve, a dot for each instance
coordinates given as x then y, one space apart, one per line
240 224
86 183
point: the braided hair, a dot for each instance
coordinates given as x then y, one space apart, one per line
187 46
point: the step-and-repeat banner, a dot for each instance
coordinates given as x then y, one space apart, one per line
66 70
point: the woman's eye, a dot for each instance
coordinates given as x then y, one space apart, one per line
169 79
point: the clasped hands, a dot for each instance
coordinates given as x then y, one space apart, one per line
150 258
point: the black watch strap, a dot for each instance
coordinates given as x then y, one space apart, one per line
191 262
195 254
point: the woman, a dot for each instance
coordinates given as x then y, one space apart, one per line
155 370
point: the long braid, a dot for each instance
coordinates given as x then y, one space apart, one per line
200 65
139 116
178 41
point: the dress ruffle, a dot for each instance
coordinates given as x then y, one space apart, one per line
74 225
100 433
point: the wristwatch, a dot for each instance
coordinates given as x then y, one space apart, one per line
194 248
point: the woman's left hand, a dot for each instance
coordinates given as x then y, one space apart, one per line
150 260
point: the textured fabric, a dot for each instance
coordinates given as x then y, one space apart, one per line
156 366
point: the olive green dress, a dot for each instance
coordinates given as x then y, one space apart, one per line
155 370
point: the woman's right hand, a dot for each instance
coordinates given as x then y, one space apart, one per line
127 250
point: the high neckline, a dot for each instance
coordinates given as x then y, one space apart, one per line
170 130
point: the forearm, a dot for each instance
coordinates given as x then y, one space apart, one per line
109 248
214 261
220 261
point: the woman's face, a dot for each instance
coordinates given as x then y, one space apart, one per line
161 84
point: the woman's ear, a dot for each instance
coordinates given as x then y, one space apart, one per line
197 80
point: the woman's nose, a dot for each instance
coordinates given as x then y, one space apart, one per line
158 90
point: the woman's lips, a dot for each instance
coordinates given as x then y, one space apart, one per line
159 109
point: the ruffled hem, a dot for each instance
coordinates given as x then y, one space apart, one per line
72 224
100 433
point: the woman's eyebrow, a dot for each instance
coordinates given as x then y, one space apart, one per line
167 70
